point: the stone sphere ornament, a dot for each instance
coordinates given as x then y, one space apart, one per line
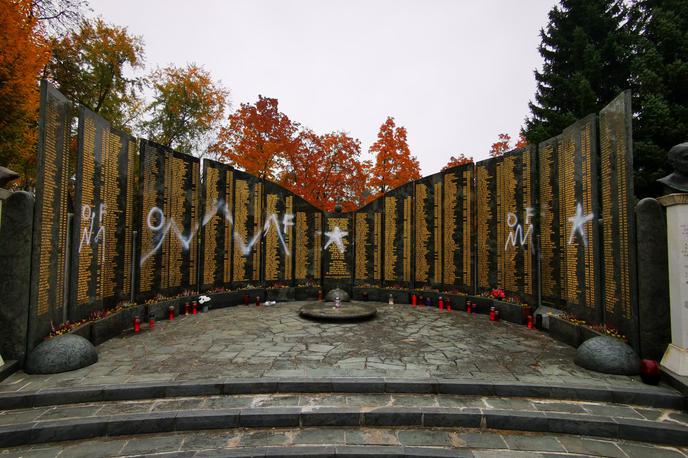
61 354
338 208
608 355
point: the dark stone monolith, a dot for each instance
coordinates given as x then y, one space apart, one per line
15 259
653 280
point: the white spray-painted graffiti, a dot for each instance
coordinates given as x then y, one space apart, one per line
517 235
578 224
89 215
336 236
156 223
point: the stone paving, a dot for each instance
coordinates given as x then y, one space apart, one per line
464 442
365 402
404 342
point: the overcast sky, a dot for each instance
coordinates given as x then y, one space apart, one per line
454 73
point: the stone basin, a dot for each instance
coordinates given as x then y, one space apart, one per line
348 311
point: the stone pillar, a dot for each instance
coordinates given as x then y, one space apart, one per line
653 279
15 259
676 356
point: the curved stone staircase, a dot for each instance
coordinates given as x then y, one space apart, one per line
344 417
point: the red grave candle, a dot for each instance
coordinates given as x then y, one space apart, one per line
530 321
448 305
151 321
186 308
492 313
440 303
137 324
257 301
414 299
468 307
170 312
194 307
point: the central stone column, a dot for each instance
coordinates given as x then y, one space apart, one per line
676 356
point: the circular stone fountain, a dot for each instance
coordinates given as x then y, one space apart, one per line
347 310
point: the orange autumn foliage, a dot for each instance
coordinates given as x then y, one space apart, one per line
326 170
23 54
257 138
461 159
394 164
522 142
501 146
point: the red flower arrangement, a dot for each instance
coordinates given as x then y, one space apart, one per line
497 293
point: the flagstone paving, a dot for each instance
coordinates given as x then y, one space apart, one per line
273 341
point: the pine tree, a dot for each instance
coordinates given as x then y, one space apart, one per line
660 87
586 50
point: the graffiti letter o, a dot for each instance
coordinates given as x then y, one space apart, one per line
86 212
161 216
511 219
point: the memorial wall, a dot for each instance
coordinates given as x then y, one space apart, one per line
397 238
278 233
428 241
170 221
217 203
157 226
103 224
368 256
49 291
308 240
337 256
458 233
618 252
569 220
248 228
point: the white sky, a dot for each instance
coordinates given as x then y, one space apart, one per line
454 73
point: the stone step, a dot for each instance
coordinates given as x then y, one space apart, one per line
659 397
663 430
348 442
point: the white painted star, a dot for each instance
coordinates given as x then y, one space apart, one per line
336 236
578 224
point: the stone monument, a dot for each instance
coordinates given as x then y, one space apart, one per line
678 180
676 356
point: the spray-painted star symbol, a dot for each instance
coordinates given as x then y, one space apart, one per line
336 236
578 224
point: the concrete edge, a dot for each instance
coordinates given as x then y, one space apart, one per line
297 417
658 397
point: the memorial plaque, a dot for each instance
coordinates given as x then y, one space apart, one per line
458 230
216 234
337 251
488 224
368 245
248 229
308 235
428 231
278 233
49 248
569 219
550 231
618 216
398 237
103 225
170 221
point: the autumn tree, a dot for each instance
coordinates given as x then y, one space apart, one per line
90 66
394 164
501 146
23 54
522 141
257 138
187 104
326 170
461 159
58 17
